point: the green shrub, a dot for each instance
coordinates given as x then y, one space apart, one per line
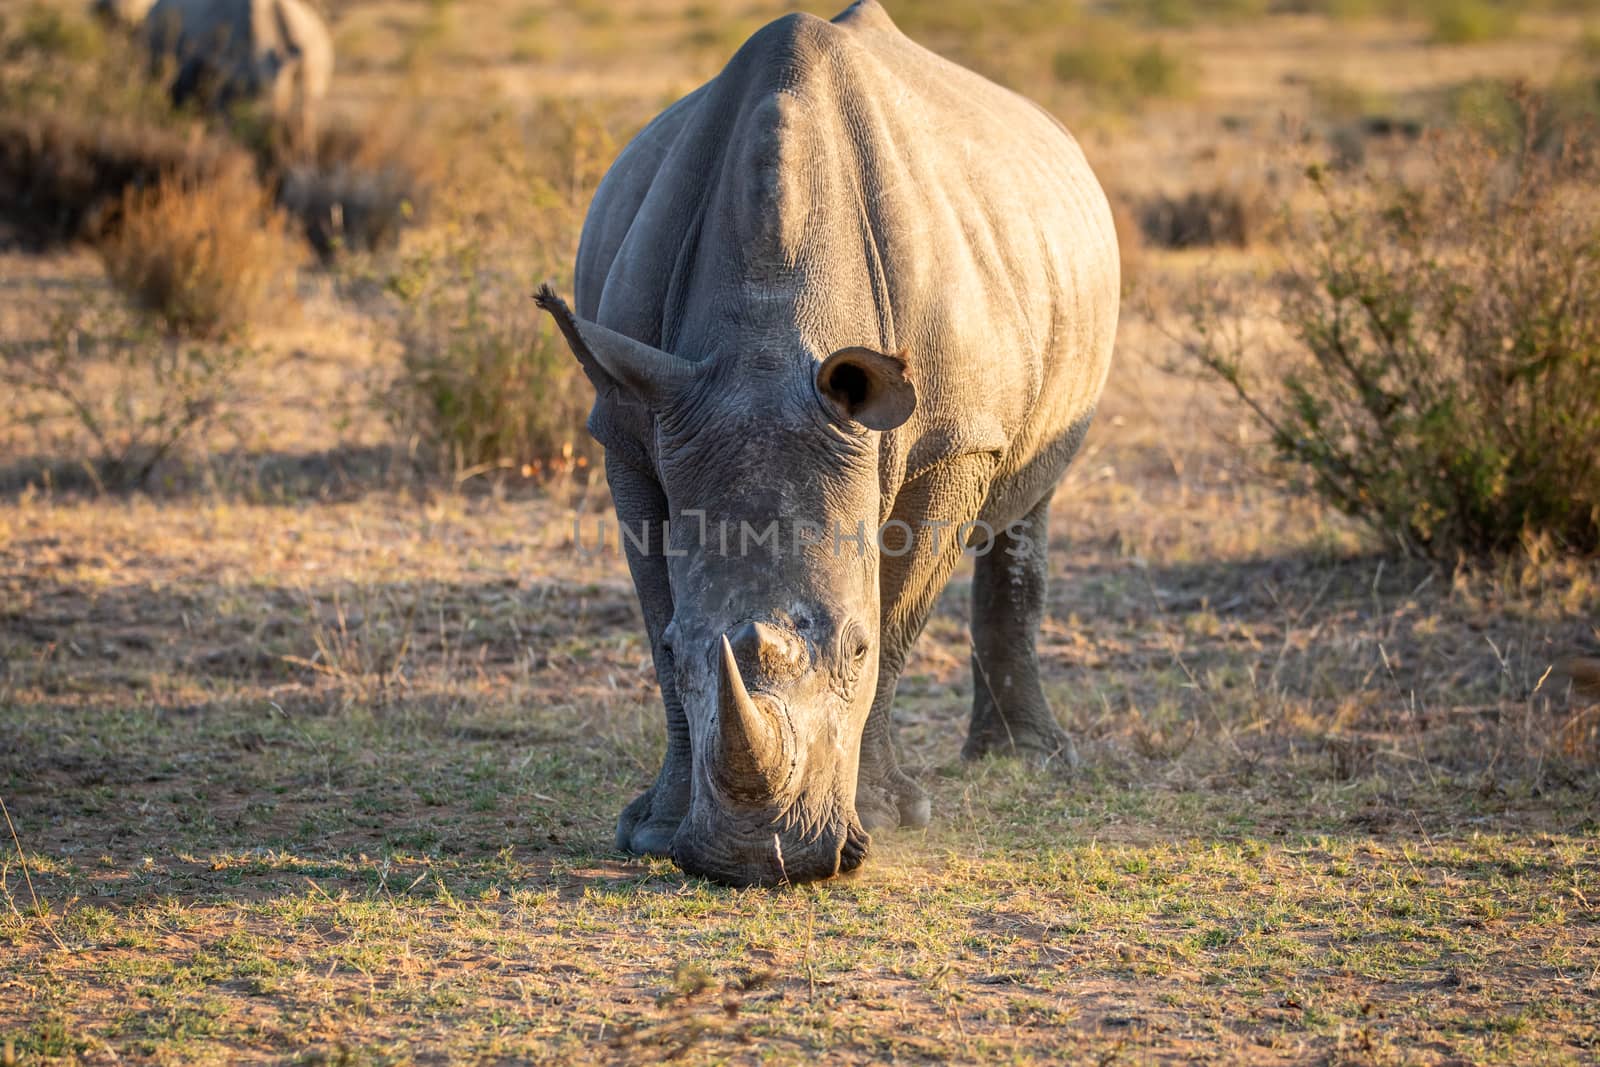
1497 110
1469 21
485 382
1191 12
1587 50
1442 380
58 34
1111 63
948 21
127 397
1350 10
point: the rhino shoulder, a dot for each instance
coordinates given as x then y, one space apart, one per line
619 198
201 25
948 441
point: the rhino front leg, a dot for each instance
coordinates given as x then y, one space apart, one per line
1010 715
886 797
647 825
935 505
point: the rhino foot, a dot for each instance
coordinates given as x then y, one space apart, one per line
854 852
893 802
642 830
1036 739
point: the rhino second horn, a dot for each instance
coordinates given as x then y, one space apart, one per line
749 762
773 654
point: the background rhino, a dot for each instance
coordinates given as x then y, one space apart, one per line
278 51
844 282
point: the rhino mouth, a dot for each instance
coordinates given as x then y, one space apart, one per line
744 859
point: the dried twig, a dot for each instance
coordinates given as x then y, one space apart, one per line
28 878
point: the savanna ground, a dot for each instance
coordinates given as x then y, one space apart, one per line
313 753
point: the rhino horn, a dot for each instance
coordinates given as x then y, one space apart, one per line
613 360
749 761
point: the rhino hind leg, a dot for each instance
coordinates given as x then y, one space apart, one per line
1010 715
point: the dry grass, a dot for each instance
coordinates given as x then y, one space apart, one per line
207 257
116 399
365 800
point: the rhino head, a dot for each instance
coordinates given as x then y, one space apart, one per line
770 467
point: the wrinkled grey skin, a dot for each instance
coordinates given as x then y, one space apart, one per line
279 51
845 281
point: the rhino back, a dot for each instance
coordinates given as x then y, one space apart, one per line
245 44
836 185
215 28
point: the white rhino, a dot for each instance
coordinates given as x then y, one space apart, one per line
844 287
278 51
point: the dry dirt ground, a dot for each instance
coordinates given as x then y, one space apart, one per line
311 759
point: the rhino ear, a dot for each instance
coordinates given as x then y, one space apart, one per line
868 387
616 362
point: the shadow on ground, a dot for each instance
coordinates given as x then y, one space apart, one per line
346 472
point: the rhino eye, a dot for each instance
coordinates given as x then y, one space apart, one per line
855 643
